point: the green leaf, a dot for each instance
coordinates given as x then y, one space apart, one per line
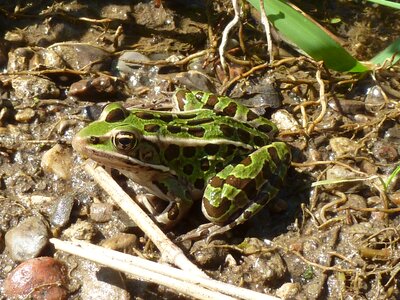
391 54
386 3
309 37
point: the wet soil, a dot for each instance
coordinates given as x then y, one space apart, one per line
332 231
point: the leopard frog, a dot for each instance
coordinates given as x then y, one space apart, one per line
209 148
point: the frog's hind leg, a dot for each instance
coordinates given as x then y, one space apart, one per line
238 192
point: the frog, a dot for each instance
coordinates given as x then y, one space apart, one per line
208 148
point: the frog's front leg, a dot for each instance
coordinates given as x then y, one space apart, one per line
170 201
238 192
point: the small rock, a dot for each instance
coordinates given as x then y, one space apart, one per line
385 151
58 160
25 115
120 242
62 211
27 239
338 173
343 145
29 86
81 230
288 290
94 89
42 278
351 107
78 56
101 212
194 80
129 62
285 121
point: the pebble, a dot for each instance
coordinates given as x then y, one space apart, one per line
129 62
343 145
78 56
27 239
101 212
94 89
62 211
42 278
351 107
81 230
384 151
285 121
25 115
194 80
28 86
58 161
288 290
120 242
340 173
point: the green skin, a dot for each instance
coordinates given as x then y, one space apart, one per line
212 148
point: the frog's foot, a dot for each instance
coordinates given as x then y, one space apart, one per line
166 213
200 232
208 230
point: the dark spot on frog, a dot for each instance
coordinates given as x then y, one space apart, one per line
199 95
199 183
228 131
171 152
274 155
251 115
230 110
247 161
186 117
116 115
244 135
151 127
144 115
217 211
211 101
188 169
196 131
166 118
258 141
211 149
266 128
189 151
174 129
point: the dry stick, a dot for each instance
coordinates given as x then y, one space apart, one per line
169 251
226 31
147 270
264 21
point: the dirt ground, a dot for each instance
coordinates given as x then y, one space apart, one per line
332 231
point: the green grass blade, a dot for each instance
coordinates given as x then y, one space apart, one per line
309 37
390 54
386 3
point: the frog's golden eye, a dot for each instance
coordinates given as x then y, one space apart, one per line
116 115
124 140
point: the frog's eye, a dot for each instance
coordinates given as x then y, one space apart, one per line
115 115
124 140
